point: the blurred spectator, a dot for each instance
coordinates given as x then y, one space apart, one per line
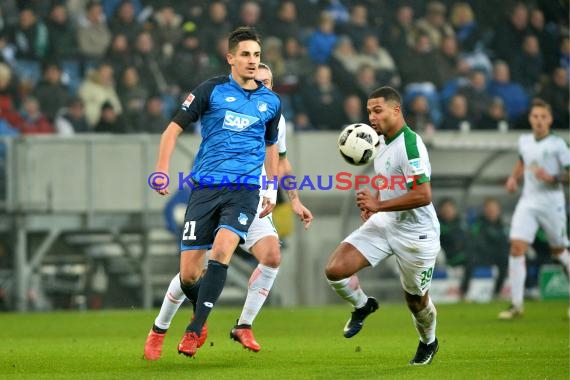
321 42
272 53
214 26
30 36
322 101
124 22
366 82
9 100
298 66
62 33
149 64
478 98
33 121
110 7
346 62
93 34
98 88
286 24
110 121
457 117
381 60
119 55
528 65
556 93
353 110
547 38
250 15
133 95
357 27
446 59
434 24
50 92
168 29
564 53
401 33
513 95
465 26
489 243
419 64
337 10
495 117
510 33
188 53
418 115
453 238
71 119
152 120
7 50
303 123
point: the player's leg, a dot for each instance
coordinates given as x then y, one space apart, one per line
237 210
553 222
364 247
268 254
172 300
524 225
415 258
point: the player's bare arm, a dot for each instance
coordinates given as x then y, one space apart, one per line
166 147
366 214
418 196
271 168
543 175
297 206
512 182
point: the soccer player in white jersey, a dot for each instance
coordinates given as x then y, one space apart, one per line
399 221
262 242
544 161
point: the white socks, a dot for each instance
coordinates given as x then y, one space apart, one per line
517 277
350 290
425 322
260 284
172 300
564 259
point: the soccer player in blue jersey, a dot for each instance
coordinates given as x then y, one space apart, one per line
239 118
262 242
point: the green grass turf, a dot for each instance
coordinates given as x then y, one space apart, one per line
299 343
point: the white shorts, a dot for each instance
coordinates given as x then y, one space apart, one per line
259 228
378 239
528 217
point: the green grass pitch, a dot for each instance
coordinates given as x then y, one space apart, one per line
298 343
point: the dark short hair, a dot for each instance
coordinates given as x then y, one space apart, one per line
537 102
243 33
388 93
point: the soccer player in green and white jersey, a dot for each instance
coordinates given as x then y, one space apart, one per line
399 220
544 160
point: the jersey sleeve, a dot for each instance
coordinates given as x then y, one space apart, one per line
272 126
416 167
282 137
563 154
194 105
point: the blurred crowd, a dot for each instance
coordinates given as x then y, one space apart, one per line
122 66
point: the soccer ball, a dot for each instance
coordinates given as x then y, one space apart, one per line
358 144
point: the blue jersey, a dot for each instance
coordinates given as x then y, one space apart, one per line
236 126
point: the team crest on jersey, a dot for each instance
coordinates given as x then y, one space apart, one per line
380 182
237 122
230 99
242 219
188 101
261 106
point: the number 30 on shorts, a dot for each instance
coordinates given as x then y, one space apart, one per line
426 277
189 230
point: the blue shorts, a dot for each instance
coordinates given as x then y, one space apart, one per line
210 209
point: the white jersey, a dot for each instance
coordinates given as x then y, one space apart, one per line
281 147
550 153
401 159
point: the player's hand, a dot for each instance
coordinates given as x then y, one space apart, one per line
543 175
160 183
365 215
302 212
269 202
511 185
366 201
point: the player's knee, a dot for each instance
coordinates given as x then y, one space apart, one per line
416 303
333 272
190 277
272 258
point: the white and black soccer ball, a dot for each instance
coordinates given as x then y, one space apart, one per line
358 144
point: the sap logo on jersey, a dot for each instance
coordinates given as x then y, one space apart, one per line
237 121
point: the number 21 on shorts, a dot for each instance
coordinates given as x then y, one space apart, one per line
189 230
